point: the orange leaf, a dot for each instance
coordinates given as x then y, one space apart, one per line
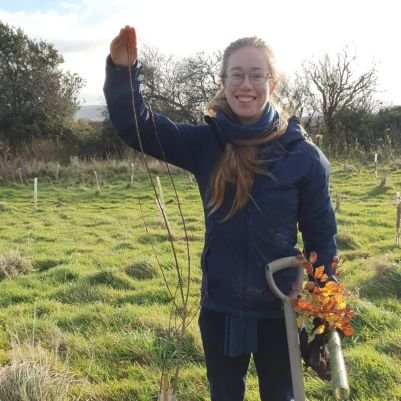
327 302
331 286
318 272
348 331
302 304
317 290
324 278
341 304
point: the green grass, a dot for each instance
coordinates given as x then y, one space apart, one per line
95 308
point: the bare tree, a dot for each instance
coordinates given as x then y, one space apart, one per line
339 88
179 88
297 98
198 82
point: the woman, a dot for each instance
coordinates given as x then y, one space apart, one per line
259 179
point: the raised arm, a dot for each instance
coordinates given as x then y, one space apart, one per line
181 144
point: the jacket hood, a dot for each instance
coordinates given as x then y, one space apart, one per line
294 132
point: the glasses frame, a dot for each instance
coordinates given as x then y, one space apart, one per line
249 74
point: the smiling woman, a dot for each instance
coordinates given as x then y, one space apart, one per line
259 177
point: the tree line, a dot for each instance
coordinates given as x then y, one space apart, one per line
39 100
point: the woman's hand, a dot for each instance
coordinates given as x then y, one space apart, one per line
123 50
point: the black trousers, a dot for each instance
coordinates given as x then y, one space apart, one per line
227 375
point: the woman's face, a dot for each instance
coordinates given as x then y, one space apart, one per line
246 89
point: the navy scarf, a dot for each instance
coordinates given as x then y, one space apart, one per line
233 131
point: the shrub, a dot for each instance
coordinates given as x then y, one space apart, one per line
34 381
141 270
13 265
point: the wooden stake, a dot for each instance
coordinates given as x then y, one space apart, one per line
162 206
97 182
132 174
376 165
35 194
165 387
163 214
166 394
160 192
57 171
20 175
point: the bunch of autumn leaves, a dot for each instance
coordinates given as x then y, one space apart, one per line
322 303
323 300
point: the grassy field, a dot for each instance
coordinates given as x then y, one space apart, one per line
90 317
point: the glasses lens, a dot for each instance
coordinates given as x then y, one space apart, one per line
258 77
235 78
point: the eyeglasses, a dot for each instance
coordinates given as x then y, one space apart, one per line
236 78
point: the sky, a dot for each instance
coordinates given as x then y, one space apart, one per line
297 30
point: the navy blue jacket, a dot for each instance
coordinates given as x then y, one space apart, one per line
236 251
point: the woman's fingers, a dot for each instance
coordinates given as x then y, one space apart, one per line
123 48
130 40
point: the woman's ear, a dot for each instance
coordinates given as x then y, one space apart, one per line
223 86
272 86
223 83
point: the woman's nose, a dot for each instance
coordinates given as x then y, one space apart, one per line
246 82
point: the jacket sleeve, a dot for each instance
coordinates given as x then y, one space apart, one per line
178 144
317 221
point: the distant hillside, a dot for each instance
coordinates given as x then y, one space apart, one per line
91 112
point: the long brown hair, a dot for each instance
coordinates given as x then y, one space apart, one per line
241 160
